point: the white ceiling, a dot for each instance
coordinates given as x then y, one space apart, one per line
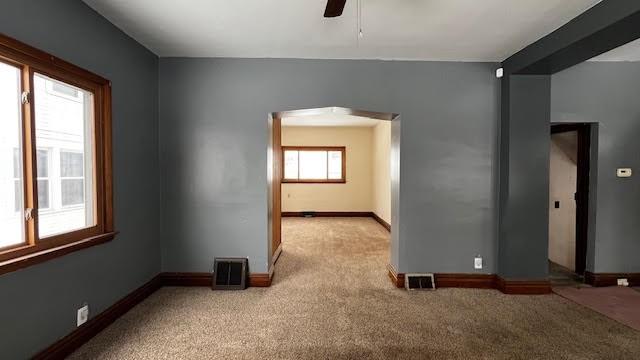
329 120
459 30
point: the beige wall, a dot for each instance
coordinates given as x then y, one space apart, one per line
562 186
355 194
381 188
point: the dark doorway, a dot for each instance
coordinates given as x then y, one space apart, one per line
573 142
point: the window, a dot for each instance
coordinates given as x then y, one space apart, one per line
55 157
313 164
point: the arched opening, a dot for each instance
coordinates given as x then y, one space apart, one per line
276 172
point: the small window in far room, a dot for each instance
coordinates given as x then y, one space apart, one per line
312 164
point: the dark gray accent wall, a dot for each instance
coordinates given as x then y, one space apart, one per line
524 177
38 304
213 151
606 93
603 27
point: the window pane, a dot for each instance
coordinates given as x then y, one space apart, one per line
11 193
17 196
43 194
291 164
71 164
335 165
64 90
313 165
17 169
43 163
64 124
72 192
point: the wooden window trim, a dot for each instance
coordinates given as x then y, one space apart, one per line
342 149
29 61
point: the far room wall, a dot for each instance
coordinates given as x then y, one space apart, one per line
368 179
355 193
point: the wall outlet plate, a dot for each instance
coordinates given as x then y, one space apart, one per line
623 282
624 172
83 314
477 263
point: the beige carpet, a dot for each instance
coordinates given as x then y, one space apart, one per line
331 299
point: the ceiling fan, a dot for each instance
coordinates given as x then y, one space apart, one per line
334 8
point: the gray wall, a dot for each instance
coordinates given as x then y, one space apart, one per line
607 94
524 177
213 153
38 304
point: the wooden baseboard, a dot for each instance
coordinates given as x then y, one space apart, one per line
480 281
205 279
381 221
473 281
259 280
328 213
523 287
84 333
186 279
396 278
610 279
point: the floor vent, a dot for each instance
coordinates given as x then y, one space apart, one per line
230 273
419 282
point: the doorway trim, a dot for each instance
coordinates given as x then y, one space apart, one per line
274 173
582 189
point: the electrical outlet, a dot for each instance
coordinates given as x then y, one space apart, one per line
623 282
83 314
477 262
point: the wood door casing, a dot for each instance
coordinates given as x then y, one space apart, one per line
277 186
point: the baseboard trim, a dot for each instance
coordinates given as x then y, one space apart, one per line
480 281
385 224
523 287
473 281
65 346
370 214
396 278
205 279
327 213
610 279
260 280
186 279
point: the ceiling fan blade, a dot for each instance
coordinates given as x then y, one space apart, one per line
334 8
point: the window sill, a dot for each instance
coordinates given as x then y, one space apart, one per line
44 255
